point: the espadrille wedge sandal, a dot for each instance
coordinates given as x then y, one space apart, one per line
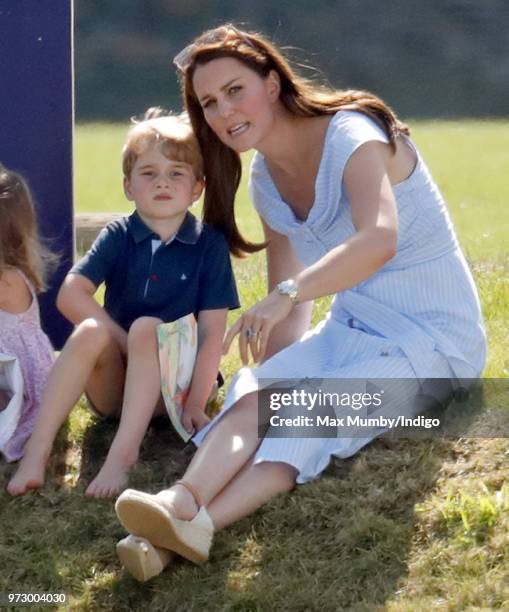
153 517
141 559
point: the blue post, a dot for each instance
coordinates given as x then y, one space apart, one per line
36 124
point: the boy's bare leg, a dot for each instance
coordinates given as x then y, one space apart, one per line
142 396
90 359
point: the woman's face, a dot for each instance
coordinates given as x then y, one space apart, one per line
237 103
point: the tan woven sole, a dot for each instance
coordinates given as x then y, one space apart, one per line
144 515
141 559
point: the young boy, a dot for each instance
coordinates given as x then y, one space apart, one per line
158 264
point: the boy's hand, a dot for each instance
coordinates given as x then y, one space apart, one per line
194 419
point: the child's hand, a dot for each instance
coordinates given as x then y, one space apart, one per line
194 419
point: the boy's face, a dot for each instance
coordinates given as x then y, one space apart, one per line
161 188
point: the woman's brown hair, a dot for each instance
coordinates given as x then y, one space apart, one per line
20 245
299 96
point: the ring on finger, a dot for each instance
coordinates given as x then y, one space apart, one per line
250 333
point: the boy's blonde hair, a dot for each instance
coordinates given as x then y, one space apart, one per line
173 133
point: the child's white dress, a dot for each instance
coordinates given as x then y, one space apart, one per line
21 336
417 318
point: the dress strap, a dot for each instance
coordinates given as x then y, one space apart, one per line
28 282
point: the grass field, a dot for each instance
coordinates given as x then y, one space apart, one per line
402 526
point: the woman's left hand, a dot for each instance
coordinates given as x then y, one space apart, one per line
255 325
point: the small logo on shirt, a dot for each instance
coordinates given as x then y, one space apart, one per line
183 277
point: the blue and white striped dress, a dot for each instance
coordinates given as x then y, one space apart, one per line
418 317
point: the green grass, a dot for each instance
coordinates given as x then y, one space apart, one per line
402 526
468 159
469 162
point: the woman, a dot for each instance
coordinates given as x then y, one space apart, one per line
348 208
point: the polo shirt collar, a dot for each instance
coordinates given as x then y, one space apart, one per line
188 232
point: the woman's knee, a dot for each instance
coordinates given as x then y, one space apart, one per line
279 476
143 328
285 474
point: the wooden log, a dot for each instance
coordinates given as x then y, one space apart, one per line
88 225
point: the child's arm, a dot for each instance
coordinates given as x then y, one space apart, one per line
76 302
211 328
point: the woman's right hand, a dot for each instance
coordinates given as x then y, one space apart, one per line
255 325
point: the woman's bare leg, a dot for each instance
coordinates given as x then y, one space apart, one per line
141 396
251 488
221 471
226 450
90 358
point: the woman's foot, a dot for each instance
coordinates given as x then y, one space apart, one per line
112 478
171 520
141 559
183 503
179 501
29 475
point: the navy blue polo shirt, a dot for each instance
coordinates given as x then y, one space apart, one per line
143 277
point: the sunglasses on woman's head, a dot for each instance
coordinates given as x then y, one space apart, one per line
183 59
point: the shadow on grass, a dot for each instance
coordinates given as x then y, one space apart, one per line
163 455
342 542
55 539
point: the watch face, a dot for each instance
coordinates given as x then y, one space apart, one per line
288 288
